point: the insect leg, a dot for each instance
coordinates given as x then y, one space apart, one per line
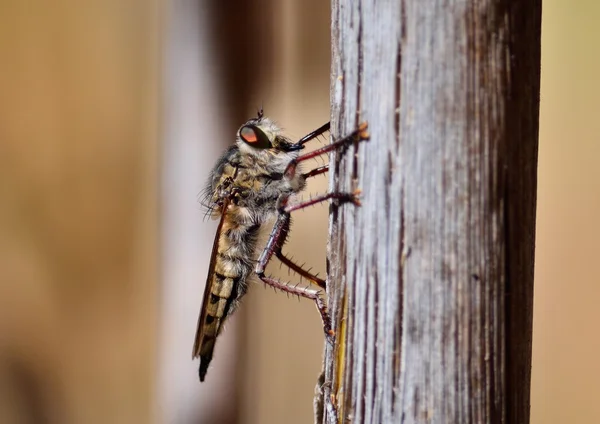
341 197
282 232
276 238
317 171
321 130
359 134
287 209
299 270
307 293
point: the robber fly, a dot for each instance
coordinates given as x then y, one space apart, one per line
251 184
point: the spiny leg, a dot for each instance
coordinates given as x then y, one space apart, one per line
288 262
286 209
317 171
275 239
282 237
314 134
359 134
299 270
307 293
340 196
281 227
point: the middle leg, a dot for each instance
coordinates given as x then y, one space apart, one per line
286 209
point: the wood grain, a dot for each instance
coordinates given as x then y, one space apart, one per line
431 281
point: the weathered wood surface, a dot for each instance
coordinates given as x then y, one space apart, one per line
431 280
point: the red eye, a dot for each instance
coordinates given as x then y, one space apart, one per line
248 135
255 137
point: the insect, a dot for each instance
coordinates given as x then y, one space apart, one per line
250 185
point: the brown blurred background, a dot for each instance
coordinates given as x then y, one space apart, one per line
111 115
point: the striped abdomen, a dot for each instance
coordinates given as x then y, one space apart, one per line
231 264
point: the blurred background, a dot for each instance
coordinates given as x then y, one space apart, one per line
112 114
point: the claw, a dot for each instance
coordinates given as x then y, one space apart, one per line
363 134
330 336
356 197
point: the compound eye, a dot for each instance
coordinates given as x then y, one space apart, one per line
255 137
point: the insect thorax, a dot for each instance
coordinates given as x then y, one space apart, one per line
256 181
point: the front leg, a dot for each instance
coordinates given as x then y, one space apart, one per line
360 134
